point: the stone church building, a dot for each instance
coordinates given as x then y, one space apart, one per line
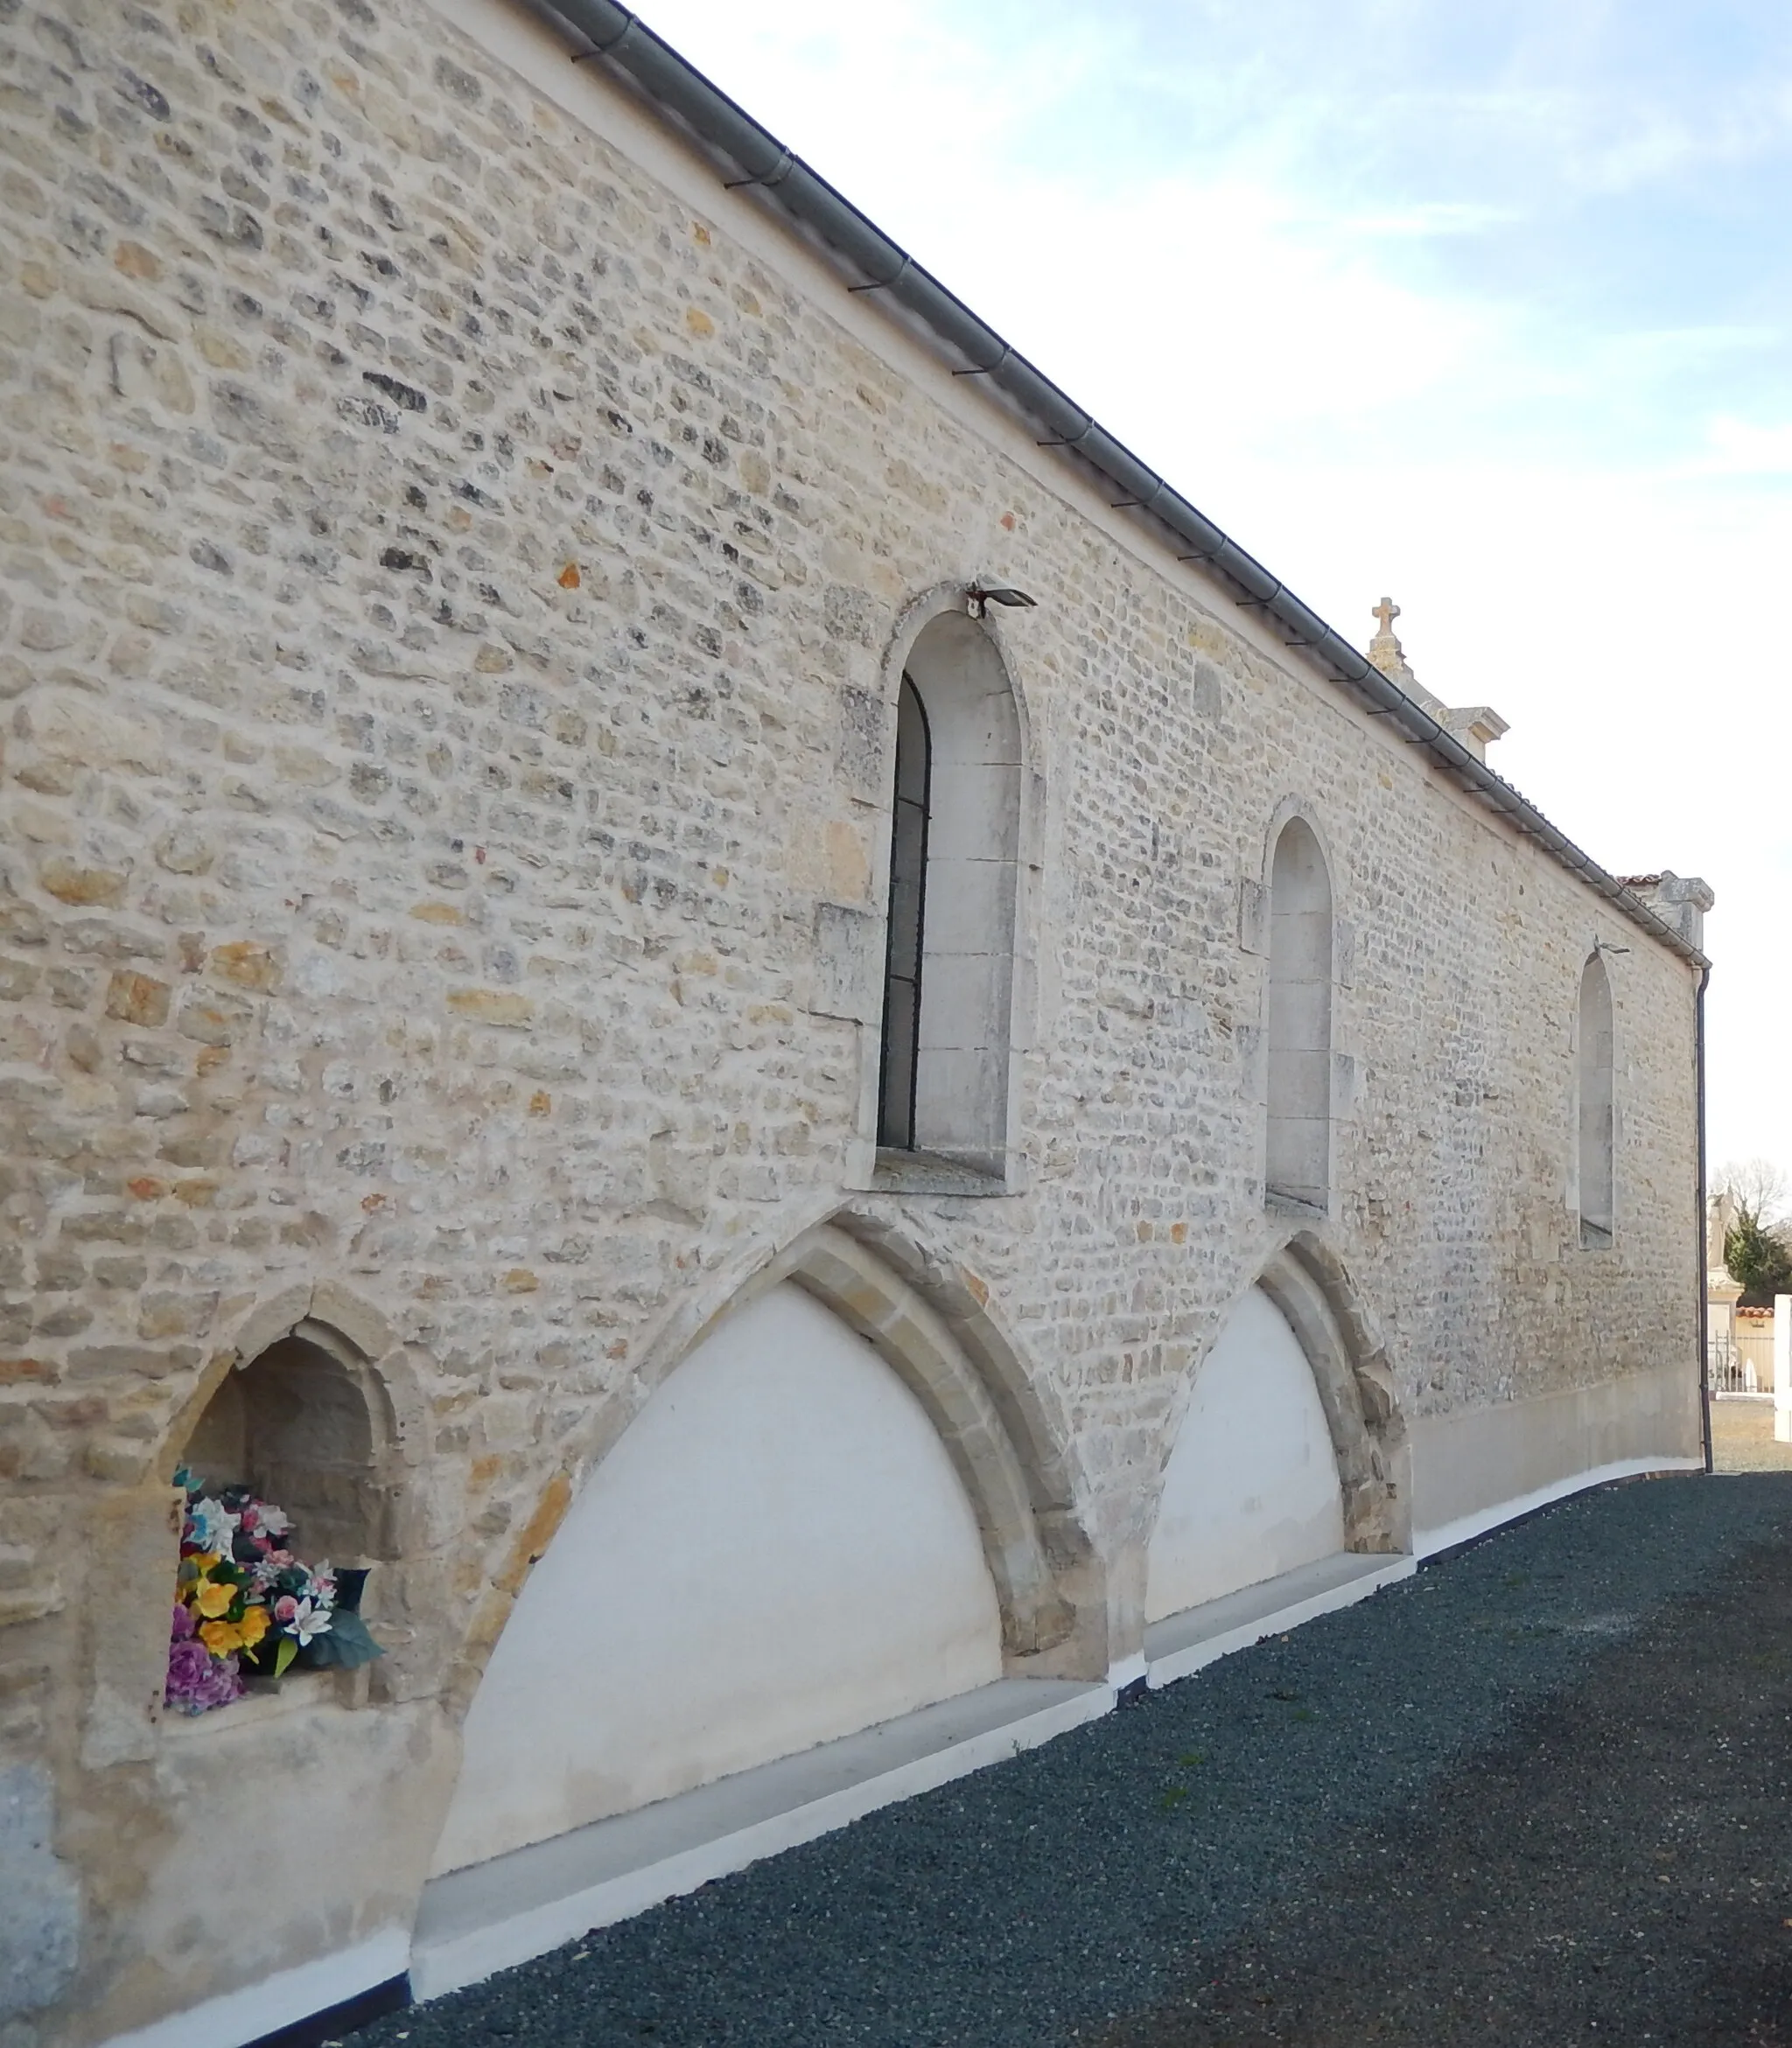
694 969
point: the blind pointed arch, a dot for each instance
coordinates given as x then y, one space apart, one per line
1597 1105
955 873
1297 1161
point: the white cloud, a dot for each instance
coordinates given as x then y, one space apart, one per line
1739 448
1581 526
1426 219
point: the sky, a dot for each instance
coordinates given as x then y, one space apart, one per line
1482 303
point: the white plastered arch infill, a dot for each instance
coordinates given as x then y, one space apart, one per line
934 1324
950 1353
1306 1283
817 1521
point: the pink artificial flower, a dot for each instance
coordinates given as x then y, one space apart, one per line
285 1608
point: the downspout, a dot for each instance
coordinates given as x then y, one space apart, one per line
1704 1282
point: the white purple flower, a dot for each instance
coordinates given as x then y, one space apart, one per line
213 1526
308 1620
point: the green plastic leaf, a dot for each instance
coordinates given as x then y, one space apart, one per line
284 1654
353 1646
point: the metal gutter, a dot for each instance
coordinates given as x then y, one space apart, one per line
605 33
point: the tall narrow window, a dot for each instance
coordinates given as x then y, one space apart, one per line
1597 1120
908 892
947 1058
1298 1163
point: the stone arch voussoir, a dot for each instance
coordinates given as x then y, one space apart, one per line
931 1322
946 600
1309 812
1308 1284
349 1327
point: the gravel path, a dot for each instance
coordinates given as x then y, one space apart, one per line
1743 1440
1535 1796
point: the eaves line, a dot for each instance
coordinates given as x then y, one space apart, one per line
748 156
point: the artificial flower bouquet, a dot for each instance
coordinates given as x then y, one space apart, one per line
245 1603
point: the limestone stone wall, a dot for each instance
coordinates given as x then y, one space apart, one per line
454 565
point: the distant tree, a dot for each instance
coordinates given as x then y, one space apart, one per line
1758 1261
1751 1195
1756 1187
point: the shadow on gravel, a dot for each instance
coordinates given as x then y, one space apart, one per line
1535 1797
1615 1870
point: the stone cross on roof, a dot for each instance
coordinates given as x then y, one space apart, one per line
1474 725
1386 653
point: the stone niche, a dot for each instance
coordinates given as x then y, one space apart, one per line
304 1424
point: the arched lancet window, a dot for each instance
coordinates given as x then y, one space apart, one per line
1297 1164
954 874
1597 1105
908 890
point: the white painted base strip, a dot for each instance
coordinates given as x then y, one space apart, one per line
1199 1636
496 1914
1467 1527
289 1996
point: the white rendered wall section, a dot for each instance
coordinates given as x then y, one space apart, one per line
777 1552
1251 1488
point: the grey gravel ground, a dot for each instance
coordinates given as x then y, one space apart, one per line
1535 1795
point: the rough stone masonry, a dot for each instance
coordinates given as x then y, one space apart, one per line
455 565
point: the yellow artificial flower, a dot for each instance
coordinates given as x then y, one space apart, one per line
220 1638
214 1599
203 1560
253 1626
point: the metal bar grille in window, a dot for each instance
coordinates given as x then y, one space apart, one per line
908 876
